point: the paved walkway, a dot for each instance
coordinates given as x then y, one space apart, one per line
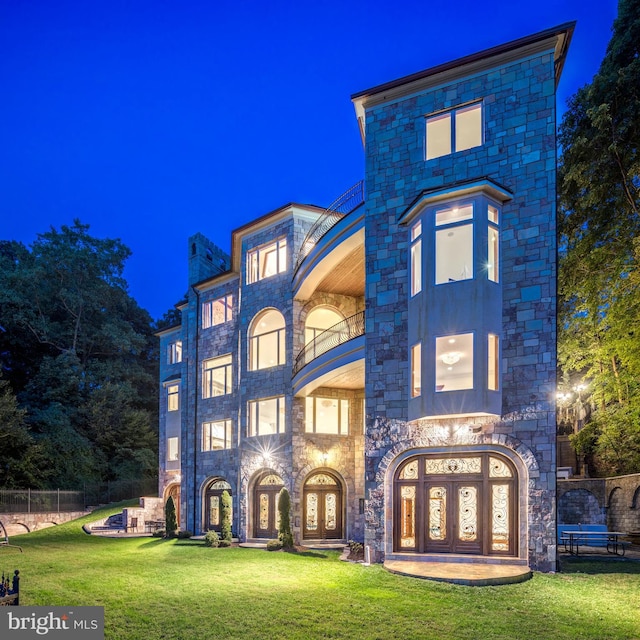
466 573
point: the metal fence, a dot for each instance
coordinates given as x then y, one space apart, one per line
38 501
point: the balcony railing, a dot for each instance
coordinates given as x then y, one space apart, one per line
339 208
340 333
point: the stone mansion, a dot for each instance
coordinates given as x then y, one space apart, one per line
390 359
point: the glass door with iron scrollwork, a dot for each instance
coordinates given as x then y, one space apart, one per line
462 504
266 514
322 508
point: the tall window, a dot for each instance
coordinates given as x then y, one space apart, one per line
318 321
454 244
217 311
416 258
267 261
174 352
216 376
493 362
493 245
416 370
173 449
267 346
216 435
326 415
266 416
454 362
173 397
454 130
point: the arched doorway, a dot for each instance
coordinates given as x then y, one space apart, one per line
266 517
322 507
173 491
462 504
212 505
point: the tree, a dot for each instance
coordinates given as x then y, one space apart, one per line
18 466
599 224
225 516
81 356
284 529
171 524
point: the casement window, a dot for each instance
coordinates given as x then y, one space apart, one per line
493 244
174 352
326 415
266 416
173 449
267 346
216 312
454 130
216 376
454 244
416 258
267 261
416 370
173 397
493 371
454 362
216 435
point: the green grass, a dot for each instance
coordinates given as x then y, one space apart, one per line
154 589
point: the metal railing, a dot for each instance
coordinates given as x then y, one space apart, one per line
57 500
340 333
338 209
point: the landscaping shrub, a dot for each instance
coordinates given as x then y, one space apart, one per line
274 545
224 543
170 517
158 533
184 535
284 530
211 539
225 515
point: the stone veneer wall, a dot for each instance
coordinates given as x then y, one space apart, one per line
612 501
518 153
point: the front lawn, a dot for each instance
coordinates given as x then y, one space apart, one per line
154 589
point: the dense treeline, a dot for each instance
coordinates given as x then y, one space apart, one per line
599 272
78 386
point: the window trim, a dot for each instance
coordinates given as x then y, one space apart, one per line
253 416
173 396
254 256
415 258
208 316
207 376
174 352
176 441
343 420
452 116
208 437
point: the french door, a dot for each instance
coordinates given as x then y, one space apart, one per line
266 516
322 508
462 505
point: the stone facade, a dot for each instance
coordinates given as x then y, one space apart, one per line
503 421
611 501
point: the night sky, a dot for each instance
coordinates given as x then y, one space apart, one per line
153 120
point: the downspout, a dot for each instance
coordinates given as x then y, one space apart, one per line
195 410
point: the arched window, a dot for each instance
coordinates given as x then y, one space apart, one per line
267 340
318 320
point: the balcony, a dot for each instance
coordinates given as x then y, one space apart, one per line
334 358
331 257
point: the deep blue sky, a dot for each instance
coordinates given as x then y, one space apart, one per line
151 120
